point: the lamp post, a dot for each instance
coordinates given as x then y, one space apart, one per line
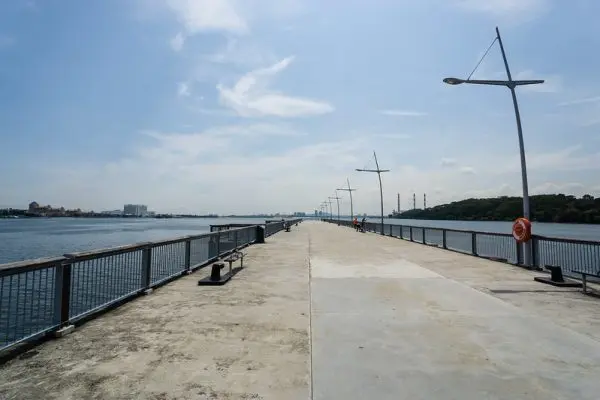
330 208
378 171
337 199
324 206
510 84
349 190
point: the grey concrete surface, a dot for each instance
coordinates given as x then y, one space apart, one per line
397 320
246 340
378 318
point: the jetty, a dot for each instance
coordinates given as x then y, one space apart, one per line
324 312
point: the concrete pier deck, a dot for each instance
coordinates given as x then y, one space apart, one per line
324 312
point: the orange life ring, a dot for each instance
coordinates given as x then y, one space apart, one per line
521 230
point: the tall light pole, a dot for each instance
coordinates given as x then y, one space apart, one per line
330 208
510 84
324 204
379 171
349 190
337 199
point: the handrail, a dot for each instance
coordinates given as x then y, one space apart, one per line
43 295
570 254
104 252
437 228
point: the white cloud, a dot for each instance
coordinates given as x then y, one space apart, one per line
213 171
448 162
585 100
403 113
569 159
183 89
505 7
198 16
250 96
242 52
393 136
560 187
552 84
177 42
208 15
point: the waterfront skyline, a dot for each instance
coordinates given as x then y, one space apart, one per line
268 105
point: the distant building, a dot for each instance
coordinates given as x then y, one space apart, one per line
299 214
33 206
113 212
138 210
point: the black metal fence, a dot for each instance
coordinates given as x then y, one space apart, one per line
570 254
271 226
41 296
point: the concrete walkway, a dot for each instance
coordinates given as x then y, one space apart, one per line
379 318
397 320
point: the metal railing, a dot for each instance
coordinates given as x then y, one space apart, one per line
41 296
569 254
272 227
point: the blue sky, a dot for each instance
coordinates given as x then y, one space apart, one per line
259 105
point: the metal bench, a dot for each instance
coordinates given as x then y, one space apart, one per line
233 257
584 275
215 277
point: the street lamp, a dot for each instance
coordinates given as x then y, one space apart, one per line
337 198
511 84
324 210
349 190
378 171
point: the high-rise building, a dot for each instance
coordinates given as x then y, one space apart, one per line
139 210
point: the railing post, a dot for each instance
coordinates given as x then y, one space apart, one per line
519 253
235 239
391 230
188 255
444 243
260 234
62 298
536 252
424 240
219 244
146 269
474 243
411 235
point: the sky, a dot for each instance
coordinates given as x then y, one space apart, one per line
243 106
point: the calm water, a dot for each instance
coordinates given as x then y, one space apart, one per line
22 239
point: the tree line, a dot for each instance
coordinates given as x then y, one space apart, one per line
544 208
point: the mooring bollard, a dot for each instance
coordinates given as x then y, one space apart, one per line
215 272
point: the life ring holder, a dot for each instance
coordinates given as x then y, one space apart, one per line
521 230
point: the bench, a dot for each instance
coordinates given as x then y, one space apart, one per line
287 227
233 257
584 275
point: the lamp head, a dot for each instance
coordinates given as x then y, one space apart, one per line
453 81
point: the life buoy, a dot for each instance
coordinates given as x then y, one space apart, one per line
521 230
